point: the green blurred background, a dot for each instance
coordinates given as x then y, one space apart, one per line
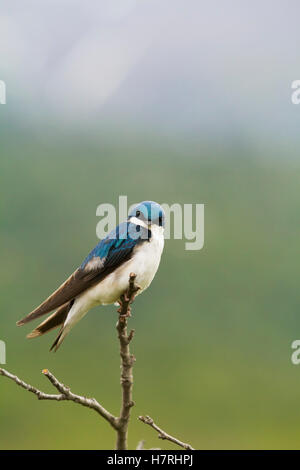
214 331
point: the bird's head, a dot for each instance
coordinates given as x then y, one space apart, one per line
148 212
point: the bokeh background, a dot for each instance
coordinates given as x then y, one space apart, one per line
172 101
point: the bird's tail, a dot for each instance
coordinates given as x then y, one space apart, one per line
53 321
78 309
64 331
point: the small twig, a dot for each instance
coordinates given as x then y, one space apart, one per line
162 434
65 395
84 401
127 361
140 446
30 388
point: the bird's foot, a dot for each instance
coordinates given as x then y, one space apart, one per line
133 297
126 299
128 311
134 294
124 305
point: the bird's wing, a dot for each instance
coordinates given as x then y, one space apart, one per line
109 254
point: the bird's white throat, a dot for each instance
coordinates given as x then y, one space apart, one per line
155 229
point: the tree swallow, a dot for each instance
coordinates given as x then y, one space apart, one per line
133 246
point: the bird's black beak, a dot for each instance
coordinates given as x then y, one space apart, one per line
160 222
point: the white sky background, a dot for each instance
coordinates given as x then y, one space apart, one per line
192 66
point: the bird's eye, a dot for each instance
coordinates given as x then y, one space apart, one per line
138 213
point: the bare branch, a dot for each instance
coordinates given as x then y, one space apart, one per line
65 395
162 434
30 388
127 361
84 401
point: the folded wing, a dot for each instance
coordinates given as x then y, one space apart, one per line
109 254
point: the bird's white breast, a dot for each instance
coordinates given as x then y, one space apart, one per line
144 263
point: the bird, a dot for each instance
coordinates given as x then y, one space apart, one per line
134 246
